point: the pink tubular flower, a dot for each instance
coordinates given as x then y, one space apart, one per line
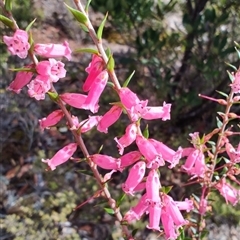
130 158
135 213
106 162
51 120
167 153
157 112
230 194
61 156
109 118
154 159
152 188
53 50
168 225
22 79
94 69
234 154
18 44
186 205
52 68
135 176
89 123
133 105
95 92
128 138
74 99
38 87
236 83
154 217
173 211
195 163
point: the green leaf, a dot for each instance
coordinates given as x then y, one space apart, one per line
110 64
100 29
6 21
87 5
238 52
134 232
108 52
8 5
79 16
86 50
230 76
146 132
23 70
88 173
84 28
230 65
53 96
219 123
30 25
125 84
222 93
120 199
166 189
109 211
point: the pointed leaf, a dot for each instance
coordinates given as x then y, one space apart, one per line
86 50
238 52
125 84
84 28
22 70
219 122
146 132
110 64
53 96
230 65
109 211
79 16
166 189
30 24
108 52
230 76
119 201
222 93
8 5
100 29
8 22
87 5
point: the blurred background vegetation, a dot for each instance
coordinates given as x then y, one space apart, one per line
178 49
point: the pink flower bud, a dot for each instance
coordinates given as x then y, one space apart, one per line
38 87
94 69
53 50
167 153
154 159
61 156
152 188
109 118
130 158
51 120
128 138
51 68
74 99
106 162
157 112
22 79
135 176
18 44
95 92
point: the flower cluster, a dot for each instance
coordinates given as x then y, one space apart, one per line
144 163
